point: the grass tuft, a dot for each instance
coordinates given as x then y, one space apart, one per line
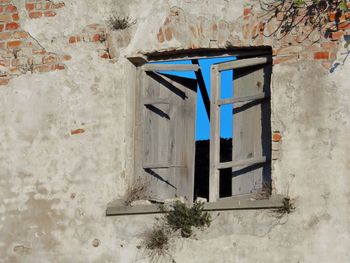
120 23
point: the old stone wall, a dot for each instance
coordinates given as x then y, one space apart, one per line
66 137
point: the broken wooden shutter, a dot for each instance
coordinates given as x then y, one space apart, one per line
165 149
251 126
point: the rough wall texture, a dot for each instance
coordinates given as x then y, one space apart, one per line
66 134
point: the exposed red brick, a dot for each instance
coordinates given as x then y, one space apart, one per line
50 13
74 39
321 55
59 5
96 38
12 26
276 137
39 51
30 6
15 17
49 59
42 68
66 57
4 81
59 67
2 27
47 5
14 44
332 16
11 8
35 14
77 131
344 25
20 34
247 11
5 36
337 35
105 55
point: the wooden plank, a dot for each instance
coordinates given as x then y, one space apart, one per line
242 63
167 136
242 99
275 201
247 131
245 162
214 173
170 67
156 139
202 88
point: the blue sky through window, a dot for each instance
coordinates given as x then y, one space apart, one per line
202 121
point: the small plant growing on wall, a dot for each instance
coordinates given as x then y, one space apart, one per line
116 22
183 218
156 241
287 208
178 217
137 191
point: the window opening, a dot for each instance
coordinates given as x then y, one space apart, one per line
238 165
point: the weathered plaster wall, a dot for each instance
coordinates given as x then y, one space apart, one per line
66 142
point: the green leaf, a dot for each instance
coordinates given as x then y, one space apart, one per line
343 6
299 3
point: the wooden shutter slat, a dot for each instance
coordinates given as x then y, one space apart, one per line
245 162
242 99
242 63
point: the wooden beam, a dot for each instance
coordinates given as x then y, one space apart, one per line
202 88
245 162
242 99
170 67
214 173
236 64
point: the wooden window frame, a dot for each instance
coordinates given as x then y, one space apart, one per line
215 203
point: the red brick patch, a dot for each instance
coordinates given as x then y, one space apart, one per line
77 131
